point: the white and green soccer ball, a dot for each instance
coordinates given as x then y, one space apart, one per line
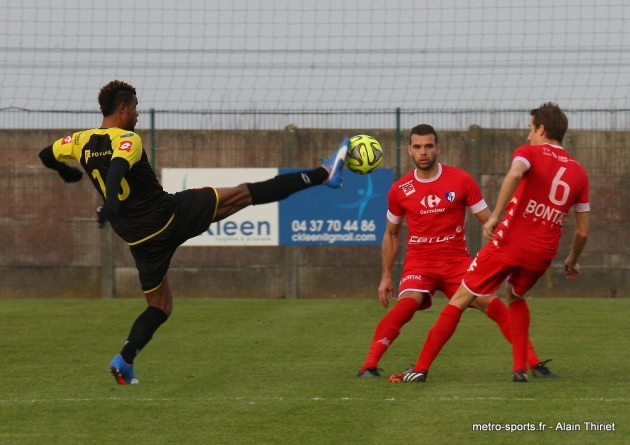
365 154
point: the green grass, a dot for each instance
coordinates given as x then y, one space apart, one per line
282 372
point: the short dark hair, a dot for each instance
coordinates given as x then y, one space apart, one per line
553 118
423 130
113 94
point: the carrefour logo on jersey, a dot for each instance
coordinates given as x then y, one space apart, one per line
431 202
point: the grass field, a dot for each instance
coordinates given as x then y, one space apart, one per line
282 372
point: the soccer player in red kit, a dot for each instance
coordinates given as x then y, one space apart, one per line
433 198
538 191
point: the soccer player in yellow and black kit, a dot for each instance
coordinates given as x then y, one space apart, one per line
154 223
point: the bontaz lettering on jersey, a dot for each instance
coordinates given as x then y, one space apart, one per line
544 212
90 154
244 228
435 239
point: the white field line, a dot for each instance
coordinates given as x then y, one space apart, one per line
291 399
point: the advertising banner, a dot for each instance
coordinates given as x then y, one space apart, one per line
352 215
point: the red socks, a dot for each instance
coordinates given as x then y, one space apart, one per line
388 329
519 332
439 334
500 314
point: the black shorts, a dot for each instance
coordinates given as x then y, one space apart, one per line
195 210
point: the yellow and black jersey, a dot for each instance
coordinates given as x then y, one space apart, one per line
145 208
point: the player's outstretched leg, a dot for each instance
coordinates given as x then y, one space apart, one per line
234 199
438 335
385 333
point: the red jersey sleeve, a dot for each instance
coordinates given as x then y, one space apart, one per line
395 212
523 154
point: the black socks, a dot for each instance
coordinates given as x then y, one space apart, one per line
141 332
283 186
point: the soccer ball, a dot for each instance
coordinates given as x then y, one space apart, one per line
365 154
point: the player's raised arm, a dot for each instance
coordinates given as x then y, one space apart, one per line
67 173
109 210
391 242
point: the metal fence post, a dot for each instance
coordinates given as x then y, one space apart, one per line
474 235
398 141
107 262
291 253
153 164
399 257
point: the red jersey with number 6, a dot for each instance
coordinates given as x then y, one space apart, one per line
529 234
435 210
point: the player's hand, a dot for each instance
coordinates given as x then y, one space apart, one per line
489 226
385 291
105 213
70 174
571 270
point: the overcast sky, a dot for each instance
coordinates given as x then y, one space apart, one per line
336 54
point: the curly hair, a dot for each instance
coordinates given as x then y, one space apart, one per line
553 118
113 94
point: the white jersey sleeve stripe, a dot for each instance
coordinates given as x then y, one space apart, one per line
580 207
476 208
523 160
393 218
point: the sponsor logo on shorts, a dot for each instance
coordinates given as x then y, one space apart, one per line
66 140
410 277
125 145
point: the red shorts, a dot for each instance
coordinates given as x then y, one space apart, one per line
487 272
445 276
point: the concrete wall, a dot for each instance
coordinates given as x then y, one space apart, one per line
50 244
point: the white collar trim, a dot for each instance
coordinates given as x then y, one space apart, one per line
434 178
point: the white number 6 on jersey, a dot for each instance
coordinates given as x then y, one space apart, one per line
557 182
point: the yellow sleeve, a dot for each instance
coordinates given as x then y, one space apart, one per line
128 146
65 148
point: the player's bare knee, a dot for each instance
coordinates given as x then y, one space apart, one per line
161 298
